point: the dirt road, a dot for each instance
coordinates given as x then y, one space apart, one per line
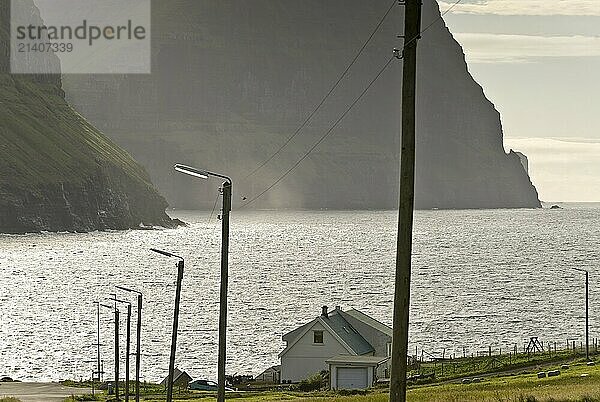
39 392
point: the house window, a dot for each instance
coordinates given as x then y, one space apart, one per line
317 336
389 349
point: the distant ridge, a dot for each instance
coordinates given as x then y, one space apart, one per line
232 80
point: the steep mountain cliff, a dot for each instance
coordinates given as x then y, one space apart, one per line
57 172
233 80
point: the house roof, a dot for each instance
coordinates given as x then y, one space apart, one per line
339 327
356 360
177 375
276 369
370 321
348 334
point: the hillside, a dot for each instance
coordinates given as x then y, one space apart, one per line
231 81
57 172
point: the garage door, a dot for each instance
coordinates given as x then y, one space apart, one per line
352 378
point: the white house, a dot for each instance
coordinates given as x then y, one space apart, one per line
354 347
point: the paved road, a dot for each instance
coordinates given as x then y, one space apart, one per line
39 392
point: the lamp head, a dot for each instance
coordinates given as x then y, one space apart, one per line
123 288
191 171
166 253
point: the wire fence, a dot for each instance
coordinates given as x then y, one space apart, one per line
426 364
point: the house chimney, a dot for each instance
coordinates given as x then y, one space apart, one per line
324 311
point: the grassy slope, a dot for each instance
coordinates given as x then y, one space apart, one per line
43 140
578 383
57 172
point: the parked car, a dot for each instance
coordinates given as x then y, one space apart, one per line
206 385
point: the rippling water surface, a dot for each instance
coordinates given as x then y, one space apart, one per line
480 278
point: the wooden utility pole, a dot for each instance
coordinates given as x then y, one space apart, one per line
412 31
180 267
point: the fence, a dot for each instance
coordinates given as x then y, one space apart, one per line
426 365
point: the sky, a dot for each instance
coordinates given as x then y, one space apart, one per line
538 61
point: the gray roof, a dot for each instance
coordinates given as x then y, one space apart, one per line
370 321
349 335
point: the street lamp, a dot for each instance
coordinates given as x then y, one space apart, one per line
98 344
116 347
180 265
127 347
226 190
138 335
587 338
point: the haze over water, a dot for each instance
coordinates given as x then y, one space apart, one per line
480 278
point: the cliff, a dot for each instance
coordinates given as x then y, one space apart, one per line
57 172
232 80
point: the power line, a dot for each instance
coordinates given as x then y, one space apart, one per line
333 88
323 137
338 121
435 21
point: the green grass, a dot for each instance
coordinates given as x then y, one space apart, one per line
45 141
578 383
472 366
569 386
9 399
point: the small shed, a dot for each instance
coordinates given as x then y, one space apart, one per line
353 372
272 375
181 379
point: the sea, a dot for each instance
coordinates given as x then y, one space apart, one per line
480 279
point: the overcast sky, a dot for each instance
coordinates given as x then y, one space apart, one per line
539 63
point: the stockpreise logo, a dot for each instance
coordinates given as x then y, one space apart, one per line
80 36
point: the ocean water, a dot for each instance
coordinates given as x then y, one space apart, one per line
480 278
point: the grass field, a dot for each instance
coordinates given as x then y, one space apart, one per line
578 383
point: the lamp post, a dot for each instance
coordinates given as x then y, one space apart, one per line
127 347
98 371
116 310
587 327
226 190
138 343
180 265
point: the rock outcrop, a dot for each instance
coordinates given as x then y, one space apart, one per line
57 172
233 80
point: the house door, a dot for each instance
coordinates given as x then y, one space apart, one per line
352 378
